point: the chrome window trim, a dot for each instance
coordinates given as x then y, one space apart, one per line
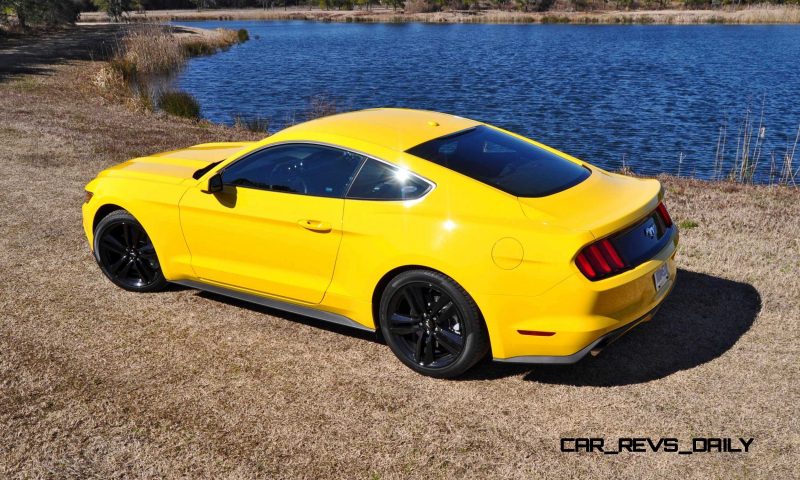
432 185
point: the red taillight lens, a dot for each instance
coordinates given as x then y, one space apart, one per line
611 252
599 260
664 214
597 256
585 267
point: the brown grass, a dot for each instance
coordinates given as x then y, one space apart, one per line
753 14
151 50
96 382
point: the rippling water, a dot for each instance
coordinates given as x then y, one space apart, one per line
655 96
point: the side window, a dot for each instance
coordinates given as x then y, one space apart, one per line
378 181
303 169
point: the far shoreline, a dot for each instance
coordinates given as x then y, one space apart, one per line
758 15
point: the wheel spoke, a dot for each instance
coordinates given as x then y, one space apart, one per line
446 314
419 346
144 270
150 257
415 300
126 268
450 341
135 266
126 234
148 252
402 324
441 306
136 234
113 244
116 266
429 350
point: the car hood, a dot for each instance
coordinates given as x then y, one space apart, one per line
177 165
601 204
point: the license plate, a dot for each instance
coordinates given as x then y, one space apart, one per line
661 276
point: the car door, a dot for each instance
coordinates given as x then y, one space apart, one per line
276 226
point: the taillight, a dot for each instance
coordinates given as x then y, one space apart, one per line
664 214
600 260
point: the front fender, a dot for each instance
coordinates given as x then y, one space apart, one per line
155 206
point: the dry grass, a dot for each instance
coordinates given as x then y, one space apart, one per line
151 50
753 14
96 382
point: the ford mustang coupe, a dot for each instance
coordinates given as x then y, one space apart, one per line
448 237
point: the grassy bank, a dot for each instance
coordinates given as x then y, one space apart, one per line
761 14
96 382
149 51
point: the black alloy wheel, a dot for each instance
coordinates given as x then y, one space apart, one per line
432 324
126 254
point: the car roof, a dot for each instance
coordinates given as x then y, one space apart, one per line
394 128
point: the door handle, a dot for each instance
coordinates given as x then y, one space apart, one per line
316 226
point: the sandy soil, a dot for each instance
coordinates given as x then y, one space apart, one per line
96 382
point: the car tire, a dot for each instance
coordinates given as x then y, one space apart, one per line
432 324
126 254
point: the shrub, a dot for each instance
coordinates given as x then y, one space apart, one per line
255 123
321 106
124 67
242 35
180 104
197 48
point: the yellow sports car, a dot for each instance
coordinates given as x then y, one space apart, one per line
448 237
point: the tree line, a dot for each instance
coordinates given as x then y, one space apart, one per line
54 12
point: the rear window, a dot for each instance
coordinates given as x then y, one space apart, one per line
503 161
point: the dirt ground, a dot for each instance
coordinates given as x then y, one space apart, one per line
96 382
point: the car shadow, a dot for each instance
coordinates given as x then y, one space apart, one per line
37 54
701 320
305 320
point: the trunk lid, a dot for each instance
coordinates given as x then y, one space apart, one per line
601 204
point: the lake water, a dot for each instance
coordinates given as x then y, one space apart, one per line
655 97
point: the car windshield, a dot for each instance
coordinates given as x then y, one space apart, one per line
503 161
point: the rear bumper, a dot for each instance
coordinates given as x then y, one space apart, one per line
576 315
593 347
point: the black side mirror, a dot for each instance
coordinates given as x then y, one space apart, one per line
214 184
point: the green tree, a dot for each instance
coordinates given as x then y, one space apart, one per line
115 9
201 4
394 3
41 12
